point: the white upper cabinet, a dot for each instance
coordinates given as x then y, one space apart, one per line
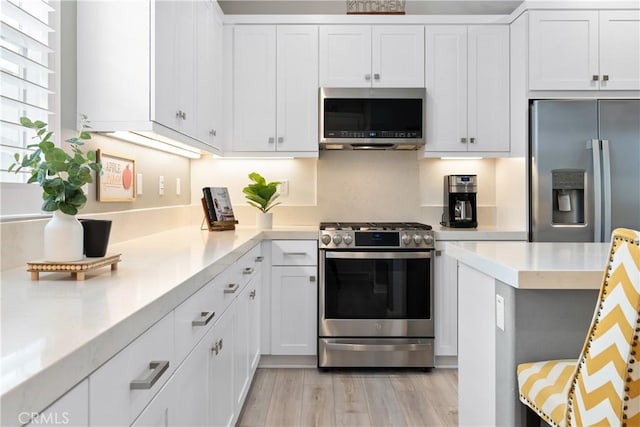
151 66
372 56
275 89
584 50
467 79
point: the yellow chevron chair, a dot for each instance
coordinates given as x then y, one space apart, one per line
601 387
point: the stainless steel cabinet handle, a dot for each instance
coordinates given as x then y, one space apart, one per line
605 78
158 368
271 140
377 347
294 253
280 139
248 270
215 349
178 114
472 140
231 288
259 259
312 278
212 132
367 77
376 76
220 343
205 318
184 115
438 253
252 294
463 140
595 78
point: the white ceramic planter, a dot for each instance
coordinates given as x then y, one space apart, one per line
264 221
63 238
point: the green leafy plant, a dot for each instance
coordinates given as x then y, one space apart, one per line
60 174
261 194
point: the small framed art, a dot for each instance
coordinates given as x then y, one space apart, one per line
116 181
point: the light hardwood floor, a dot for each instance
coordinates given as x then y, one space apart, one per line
308 397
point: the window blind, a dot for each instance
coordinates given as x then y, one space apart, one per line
26 78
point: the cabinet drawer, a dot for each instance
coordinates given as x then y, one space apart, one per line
121 388
294 252
249 265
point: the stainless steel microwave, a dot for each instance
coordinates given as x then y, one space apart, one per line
367 118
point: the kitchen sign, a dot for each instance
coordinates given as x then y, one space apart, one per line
115 183
375 7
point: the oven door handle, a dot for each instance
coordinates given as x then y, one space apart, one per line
414 346
378 255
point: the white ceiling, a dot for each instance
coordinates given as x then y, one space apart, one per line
339 7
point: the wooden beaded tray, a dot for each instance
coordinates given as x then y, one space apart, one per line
76 268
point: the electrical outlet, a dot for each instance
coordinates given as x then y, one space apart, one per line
283 188
177 186
139 184
500 311
161 185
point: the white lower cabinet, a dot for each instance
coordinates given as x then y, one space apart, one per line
446 303
161 411
220 342
241 379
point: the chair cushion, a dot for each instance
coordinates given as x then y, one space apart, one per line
544 387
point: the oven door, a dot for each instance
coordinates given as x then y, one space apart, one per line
376 294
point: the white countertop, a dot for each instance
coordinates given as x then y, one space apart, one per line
539 265
75 326
482 232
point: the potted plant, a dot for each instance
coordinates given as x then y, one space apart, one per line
262 195
61 176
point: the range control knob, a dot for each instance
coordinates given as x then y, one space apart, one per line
337 239
428 239
406 239
347 239
326 239
417 239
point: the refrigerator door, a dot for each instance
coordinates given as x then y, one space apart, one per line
562 170
620 129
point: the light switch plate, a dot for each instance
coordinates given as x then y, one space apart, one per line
283 188
177 186
500 311
161 185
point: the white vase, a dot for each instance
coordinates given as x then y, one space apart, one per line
264 221
63 238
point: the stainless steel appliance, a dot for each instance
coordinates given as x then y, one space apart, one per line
375 295
460 206
584 175
374 119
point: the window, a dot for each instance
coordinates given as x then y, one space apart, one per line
27 43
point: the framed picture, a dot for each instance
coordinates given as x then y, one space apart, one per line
116 182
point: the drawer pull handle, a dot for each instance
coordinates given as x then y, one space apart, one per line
438 253
259 259
294 253
248 270
158 368
312 278
205 318
231 288
252 294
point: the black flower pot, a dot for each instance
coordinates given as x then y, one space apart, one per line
96 236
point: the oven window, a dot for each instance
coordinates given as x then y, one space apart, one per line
377 288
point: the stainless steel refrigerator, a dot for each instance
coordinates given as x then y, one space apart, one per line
584 169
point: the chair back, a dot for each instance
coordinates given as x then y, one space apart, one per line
606 386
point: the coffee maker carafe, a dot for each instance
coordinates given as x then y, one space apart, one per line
460 208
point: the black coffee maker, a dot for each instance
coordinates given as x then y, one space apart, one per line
460 207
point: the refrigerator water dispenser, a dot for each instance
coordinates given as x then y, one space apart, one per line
568 196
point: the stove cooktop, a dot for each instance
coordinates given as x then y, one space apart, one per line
373 226
375 235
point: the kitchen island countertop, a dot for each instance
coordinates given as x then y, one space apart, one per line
537 265
56 331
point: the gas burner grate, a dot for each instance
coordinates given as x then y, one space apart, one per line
373 226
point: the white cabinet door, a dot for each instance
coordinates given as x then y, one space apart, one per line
208 73
620 49
255 295
241 378
446 303
174 66
294 310
72 410
345 56
488 89
397 58
254 88
297 87
160 411
446 81
219 341
563 50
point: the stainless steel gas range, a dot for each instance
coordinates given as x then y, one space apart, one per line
375 295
